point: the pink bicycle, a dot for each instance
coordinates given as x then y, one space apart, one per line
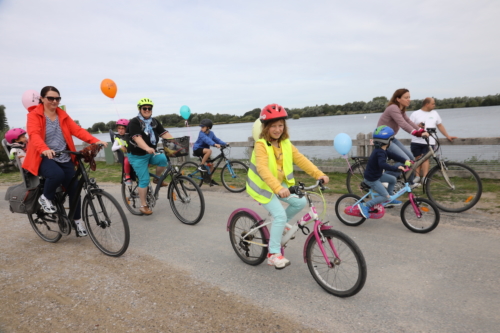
334 260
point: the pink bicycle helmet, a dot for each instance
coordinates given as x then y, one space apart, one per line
14 134
122 122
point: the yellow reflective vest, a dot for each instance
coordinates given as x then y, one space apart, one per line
256 187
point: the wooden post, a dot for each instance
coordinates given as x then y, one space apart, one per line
369 144
361 146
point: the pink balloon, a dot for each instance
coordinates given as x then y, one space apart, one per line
30 98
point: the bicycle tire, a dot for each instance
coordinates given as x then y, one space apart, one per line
429 219
355 178
106 223
190 169
237 183
184 195
130 196
43 223
348 275
465 193
249 253
342 203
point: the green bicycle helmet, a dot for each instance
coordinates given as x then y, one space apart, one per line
144 101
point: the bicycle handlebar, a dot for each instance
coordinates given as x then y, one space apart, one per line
58 153
297 189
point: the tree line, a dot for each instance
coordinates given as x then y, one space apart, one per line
377 104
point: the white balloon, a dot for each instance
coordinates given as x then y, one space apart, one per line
256 129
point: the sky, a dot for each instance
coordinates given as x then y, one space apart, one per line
233 56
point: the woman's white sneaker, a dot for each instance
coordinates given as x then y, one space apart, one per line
80 228
47 205
277 260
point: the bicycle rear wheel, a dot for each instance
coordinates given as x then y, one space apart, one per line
45 225
347 275
247 247
106 223
186 200
465 190
355 178
190 169
428 220
130 196
345 201
234 177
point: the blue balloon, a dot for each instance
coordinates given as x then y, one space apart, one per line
342 143
185 112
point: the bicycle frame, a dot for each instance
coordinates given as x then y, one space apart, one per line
308 218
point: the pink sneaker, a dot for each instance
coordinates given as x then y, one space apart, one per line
277 260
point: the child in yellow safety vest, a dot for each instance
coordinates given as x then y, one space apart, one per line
121 144
271 174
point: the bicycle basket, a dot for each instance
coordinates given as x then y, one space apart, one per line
176 147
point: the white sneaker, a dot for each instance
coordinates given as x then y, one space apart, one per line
414 185
47 205
277 260
80 228
416 179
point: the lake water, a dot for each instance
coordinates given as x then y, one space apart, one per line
463 122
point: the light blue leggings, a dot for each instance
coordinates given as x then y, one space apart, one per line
281 216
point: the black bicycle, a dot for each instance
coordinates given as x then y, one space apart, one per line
185 197
233 173
104 218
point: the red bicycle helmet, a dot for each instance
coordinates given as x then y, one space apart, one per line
273 112
122 122
14 134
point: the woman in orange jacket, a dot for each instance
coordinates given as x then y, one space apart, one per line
51 129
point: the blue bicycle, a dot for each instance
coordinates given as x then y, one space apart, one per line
420 215
233 173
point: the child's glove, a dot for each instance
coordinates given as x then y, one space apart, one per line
418 133
408 163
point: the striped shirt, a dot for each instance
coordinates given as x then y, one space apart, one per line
54 139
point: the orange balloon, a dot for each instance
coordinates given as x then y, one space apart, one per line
108 88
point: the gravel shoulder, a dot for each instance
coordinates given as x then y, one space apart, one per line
43 289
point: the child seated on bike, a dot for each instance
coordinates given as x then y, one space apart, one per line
374 173
17 140
121 144
201 147
271 174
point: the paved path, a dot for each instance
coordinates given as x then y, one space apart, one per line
446 280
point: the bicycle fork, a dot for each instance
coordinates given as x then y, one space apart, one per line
318 227
411 197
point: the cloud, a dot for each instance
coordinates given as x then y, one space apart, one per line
231 56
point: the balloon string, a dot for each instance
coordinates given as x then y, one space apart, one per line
114 104
348 164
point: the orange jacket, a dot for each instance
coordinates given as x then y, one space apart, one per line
36 133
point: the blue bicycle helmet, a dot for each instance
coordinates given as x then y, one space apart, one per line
383 135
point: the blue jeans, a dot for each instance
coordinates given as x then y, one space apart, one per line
397 148
56 174
380 189
281 216
140 164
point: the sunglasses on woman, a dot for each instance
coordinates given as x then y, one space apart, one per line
146 109
51 99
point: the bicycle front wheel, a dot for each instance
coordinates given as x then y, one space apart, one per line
347 201
234 176
355 178
130 196
429 215
346 274
106 223
456 189
45 225
190 169
186 200
251 248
